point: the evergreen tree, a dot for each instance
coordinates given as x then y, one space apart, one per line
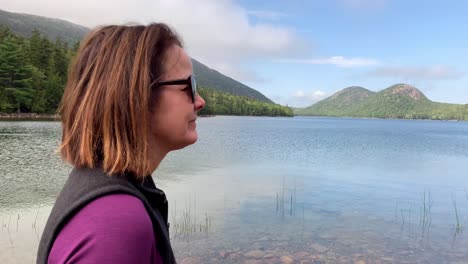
15 77
35 49
38 80
46 50
60 61
54 86
4 32
75 48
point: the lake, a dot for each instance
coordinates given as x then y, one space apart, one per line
276 190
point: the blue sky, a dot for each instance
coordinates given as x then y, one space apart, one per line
299 52
423 43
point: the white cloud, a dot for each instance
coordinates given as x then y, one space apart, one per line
319 94
266 15
335 60
437 72
301 98
216 32
238 72
299 94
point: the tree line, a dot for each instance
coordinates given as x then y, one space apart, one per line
220 103
33 72
33 75
389 106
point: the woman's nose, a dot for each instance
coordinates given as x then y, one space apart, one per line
199 102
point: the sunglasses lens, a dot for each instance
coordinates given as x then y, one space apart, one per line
194 87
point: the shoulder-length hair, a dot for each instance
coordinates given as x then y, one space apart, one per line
105 106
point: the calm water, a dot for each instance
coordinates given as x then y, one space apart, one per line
317 190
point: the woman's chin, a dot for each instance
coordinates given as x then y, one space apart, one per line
193 137
189 139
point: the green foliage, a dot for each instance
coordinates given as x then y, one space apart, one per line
227 104
15 76
38 79
33 73
398 101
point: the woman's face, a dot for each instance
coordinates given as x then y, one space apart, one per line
173 118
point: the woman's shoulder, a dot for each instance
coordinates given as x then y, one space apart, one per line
111 226
113 215
115 203
114 211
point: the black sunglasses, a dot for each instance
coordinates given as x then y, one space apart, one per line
190 81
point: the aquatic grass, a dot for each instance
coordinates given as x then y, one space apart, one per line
37 213
187 225
403 214
9 238
409 219
396 210
281 200
277 202
458 226
402 219
302 222
291 207
295 189
426 214
37 233
207 223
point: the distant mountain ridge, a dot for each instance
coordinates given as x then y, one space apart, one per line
23 24
397 101
213 79
406 89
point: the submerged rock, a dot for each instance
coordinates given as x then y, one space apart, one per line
271 261
300 255
255 254
234 256
287 260
319 248
270 255
253 261
191 260
223 254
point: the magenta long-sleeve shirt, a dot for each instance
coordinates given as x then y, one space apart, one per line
111 229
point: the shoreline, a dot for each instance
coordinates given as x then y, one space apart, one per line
28 117
41 117
384 118
54 117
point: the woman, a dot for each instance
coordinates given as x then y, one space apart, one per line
130 99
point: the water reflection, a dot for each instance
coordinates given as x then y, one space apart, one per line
250 216
276 190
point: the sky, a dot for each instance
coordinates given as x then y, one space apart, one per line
297 52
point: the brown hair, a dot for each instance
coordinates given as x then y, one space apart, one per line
104 109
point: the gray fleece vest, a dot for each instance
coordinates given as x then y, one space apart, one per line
85 185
